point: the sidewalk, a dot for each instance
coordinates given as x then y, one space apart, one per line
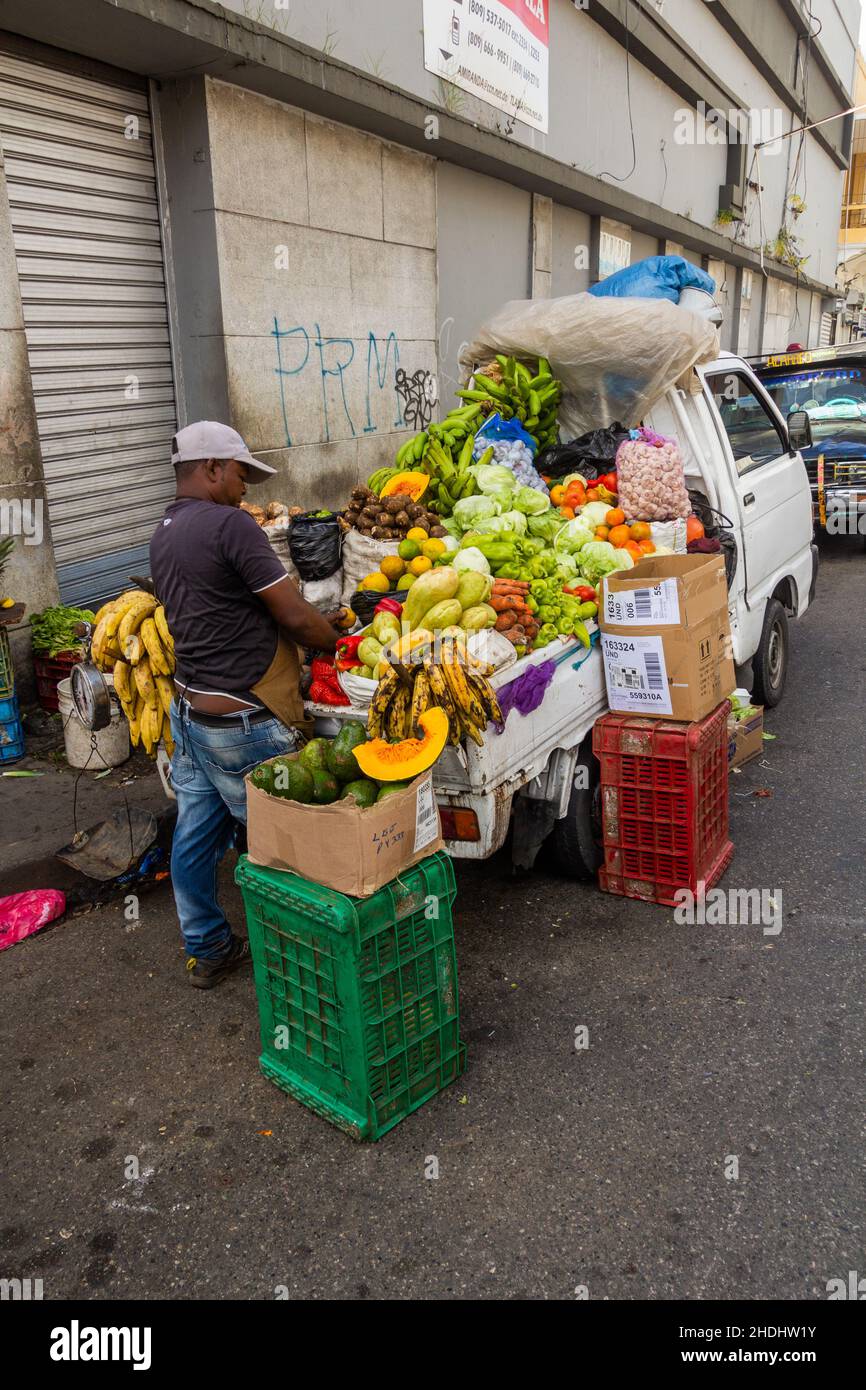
40 814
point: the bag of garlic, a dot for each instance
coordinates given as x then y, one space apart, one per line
652 484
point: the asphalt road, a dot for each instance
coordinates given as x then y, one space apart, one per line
558 1168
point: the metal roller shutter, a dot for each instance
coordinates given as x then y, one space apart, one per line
86 230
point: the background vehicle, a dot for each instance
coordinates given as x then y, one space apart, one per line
830 385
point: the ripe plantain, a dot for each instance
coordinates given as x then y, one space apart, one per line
145 683
135 613
486 694
165 690
420 698
123 682
161 622
150 637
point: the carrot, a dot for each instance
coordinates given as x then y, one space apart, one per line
503 603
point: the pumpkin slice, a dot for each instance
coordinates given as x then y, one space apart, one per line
414 485
401 762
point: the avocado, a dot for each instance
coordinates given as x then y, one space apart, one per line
314 755
292 781
364 791
263 777
390 787
326 788
341 759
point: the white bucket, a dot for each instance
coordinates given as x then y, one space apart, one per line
112 743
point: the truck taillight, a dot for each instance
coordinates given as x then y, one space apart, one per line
458 824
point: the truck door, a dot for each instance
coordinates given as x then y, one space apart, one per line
771 486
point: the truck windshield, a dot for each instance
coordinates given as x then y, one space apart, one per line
833 397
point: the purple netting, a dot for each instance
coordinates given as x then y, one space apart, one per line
527 692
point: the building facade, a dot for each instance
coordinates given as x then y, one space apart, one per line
291 218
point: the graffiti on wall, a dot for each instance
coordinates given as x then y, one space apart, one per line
326 360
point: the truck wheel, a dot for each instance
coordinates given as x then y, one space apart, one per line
577 838
770 662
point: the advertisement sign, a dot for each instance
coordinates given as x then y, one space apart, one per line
495 49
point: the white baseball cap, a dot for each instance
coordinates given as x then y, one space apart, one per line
207 439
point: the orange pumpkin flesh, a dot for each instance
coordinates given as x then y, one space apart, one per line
400 762
414 485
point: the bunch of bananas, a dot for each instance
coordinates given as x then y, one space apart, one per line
533 398
444 452
131 640
447 676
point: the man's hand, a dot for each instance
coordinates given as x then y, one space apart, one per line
299 620
337 618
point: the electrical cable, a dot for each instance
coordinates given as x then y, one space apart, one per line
605 173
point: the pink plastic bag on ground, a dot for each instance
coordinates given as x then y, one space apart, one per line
21 914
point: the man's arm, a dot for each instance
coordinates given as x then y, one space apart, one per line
299 620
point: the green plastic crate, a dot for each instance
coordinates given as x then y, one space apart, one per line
358 1000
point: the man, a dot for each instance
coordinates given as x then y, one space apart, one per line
236 619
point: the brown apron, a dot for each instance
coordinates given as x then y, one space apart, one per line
280 688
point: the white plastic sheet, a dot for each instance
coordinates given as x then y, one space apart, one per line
614 357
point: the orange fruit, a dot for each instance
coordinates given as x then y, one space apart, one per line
392 567
646 547
618 536
420 565
615 517
694 529
634 550
640 531
602 533
567 512
376 583
556 495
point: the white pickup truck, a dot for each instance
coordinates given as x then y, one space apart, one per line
743 457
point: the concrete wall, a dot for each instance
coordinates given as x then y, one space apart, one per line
484 252
572 231
316 284
29 576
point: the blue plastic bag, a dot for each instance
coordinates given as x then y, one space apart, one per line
495 428
657 277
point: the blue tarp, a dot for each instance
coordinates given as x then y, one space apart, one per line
657 277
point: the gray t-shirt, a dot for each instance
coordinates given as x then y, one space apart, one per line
208 563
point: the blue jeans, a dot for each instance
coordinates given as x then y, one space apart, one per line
208 767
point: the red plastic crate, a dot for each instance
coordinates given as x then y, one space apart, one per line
49 672
664 798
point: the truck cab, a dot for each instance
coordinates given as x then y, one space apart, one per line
829 384
743 457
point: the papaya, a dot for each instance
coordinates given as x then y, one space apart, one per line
413 484
369 651
474 588
478 617
443 614
401 762
385 628
429 588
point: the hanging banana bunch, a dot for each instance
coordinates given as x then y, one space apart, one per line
131 640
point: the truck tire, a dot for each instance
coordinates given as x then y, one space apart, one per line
770 662
576 839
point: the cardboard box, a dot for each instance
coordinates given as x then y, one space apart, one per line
745 738
341 846
666 637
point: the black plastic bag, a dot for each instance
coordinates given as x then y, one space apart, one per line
315 543
363 604
591 454
718 528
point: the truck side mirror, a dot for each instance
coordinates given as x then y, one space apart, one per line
799 431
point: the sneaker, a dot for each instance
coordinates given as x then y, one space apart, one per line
204 974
